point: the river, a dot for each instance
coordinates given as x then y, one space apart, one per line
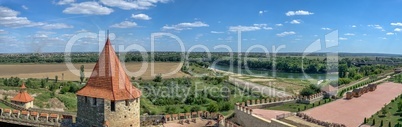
270 73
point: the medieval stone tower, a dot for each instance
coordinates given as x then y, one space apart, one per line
108 99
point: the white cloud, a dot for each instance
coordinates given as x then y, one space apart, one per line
286 33
243 28
353 26
3 32
67 35
279 24
343 38
299 12
349 34
56 26
377 27
88 8
133 4
9 18
384 38
267 28
260 25
24 7
217 32
254 27
141 16
325 28
390 33
124 24
398 29
63 2
262 12
295 22
396 24
42 34
185 26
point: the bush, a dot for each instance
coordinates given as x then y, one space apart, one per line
310 90
158 78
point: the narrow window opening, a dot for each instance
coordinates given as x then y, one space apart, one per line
94 99
86 99
113 106
127 103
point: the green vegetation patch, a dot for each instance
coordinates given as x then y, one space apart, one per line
297 107
390 114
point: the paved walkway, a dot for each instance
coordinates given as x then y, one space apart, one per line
352 112
268 114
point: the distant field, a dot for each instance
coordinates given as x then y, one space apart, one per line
51 70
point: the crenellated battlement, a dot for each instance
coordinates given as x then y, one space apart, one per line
32 118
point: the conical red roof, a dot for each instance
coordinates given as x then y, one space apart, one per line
23 95
108 79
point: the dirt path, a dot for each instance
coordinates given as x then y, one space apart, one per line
268 91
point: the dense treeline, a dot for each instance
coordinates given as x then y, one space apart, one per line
177 56
286 64
46 83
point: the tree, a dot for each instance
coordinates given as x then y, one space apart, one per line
82 75
373 122
5 82
133 78
384 111
212 107
42 83
64 90
56 78
171 109
365 120
382 123
400 105
195 108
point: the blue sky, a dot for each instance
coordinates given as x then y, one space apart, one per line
46 26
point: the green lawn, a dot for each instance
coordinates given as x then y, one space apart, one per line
295 107
69 100
2 105
392 115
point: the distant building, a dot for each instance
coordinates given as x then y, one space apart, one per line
397 70
23 98
108 99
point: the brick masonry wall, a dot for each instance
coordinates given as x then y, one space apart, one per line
123 116
89 115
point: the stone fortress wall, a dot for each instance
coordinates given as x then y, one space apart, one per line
244 111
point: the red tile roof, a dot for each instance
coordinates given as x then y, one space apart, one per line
24 112
43 114
16 111
7 110
34 113
53 115
23 95
109 80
